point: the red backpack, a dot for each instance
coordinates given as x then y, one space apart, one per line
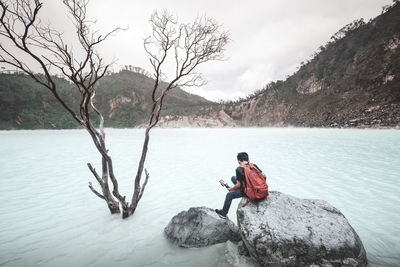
256 187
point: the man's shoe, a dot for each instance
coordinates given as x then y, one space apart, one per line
221 214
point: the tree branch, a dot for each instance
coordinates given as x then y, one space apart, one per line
191 46
19 23
95 192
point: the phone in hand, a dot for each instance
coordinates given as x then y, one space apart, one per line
222 182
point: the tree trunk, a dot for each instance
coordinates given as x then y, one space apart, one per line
113 207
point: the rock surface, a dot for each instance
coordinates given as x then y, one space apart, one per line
211 120
200 227
283 230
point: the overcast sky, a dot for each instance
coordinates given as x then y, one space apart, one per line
269 38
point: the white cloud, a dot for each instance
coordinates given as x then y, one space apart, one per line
250 78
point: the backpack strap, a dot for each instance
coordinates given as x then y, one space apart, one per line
247 170
253 167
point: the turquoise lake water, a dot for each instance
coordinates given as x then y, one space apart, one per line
49 217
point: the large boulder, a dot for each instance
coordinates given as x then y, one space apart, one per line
283 230
200 227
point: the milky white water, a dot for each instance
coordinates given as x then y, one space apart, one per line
49 217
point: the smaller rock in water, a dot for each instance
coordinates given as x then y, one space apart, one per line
200 227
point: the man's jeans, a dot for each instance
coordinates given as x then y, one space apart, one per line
231 195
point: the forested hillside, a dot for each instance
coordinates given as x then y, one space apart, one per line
351 81
123 97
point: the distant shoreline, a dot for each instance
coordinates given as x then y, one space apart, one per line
233 128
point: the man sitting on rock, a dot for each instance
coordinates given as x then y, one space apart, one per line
239 182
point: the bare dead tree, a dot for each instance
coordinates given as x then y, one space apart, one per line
24 36
188 44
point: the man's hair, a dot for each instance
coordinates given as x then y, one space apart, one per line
243 156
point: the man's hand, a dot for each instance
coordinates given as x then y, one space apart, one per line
237 185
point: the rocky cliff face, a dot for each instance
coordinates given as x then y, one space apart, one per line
352 82
219 119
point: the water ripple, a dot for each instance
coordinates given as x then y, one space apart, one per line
49 217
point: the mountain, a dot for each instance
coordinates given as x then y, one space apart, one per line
124 98
353 81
